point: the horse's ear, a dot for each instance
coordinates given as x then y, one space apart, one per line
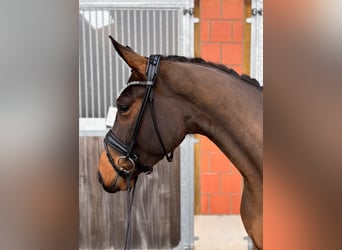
134 60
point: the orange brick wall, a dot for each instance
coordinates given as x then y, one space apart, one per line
221 32
221 41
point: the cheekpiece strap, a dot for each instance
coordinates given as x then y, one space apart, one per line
152 67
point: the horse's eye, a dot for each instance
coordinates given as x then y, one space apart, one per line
122 108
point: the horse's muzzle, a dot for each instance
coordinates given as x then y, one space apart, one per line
112 189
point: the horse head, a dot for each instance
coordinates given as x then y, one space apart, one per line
149 123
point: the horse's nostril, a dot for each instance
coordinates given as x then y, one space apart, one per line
100 178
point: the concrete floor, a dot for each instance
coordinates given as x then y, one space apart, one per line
215 232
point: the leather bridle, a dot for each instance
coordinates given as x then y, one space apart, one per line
127 150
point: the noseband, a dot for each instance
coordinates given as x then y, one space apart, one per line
127 149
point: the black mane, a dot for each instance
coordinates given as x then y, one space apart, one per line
221 67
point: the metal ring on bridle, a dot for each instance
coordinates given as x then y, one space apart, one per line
127 171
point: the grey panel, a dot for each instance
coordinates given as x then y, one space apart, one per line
102 73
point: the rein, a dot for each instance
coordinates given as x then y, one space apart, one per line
127 149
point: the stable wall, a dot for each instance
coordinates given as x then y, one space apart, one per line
221 40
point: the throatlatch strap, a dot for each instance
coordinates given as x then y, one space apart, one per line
152 72
169 157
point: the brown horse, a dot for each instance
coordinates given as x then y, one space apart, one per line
190 96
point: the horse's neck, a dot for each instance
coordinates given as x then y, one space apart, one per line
228 112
